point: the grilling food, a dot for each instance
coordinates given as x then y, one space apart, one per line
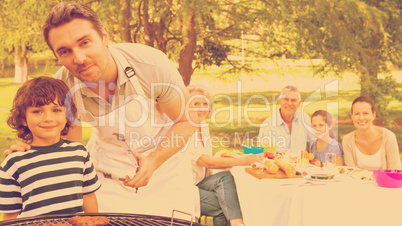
55 224
89 221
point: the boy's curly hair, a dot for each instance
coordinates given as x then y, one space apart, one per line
35 93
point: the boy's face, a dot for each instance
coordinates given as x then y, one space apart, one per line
46 123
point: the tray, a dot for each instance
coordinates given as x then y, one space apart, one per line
265 175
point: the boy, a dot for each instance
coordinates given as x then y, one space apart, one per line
56 176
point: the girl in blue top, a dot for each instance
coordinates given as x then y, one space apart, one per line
321 121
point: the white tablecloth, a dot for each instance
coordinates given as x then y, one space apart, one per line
292 202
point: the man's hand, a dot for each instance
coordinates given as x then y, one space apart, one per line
19 146
147 166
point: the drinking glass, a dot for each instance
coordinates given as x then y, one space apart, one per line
268 146
330 160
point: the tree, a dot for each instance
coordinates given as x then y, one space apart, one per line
186 30
21 32
362 36
358 35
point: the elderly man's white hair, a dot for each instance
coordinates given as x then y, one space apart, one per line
289 88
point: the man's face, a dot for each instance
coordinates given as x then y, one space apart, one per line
81 49
289 103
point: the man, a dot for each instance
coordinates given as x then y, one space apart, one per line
130 91
286 128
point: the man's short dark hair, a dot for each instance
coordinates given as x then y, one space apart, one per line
65 12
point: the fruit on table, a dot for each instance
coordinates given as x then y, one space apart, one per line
310 156
316 162
305 160
270 155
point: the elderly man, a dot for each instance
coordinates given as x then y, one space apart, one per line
286 129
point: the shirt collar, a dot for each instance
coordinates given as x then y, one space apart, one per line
279 118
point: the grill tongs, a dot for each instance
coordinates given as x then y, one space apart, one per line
123 144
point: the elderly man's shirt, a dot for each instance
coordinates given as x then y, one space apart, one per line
275 131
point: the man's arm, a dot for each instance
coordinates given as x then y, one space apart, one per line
19 146
184 127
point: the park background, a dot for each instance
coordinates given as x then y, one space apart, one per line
333 51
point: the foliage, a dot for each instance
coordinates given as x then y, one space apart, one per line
361 36
164 25
20 28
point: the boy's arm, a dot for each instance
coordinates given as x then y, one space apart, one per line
10 216
90 203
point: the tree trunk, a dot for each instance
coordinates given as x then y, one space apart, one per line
161 41
21 66
188 48
125 31
371 75
149 30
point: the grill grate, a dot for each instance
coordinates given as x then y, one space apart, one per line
115 220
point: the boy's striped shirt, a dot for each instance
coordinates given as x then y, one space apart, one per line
47 180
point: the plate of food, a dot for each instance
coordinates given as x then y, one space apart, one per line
362 176
344 170
325 177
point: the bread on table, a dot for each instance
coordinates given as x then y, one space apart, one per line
271 167
288 168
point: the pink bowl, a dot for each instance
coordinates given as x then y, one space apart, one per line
388 178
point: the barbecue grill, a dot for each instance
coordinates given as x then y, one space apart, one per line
115 219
